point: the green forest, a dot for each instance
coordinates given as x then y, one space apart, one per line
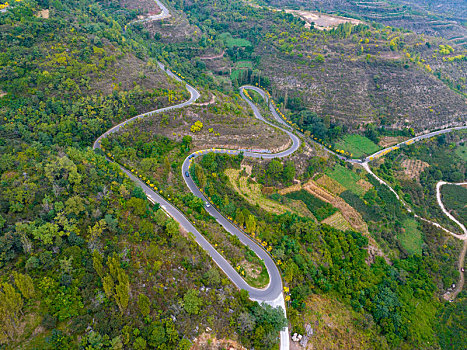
88 262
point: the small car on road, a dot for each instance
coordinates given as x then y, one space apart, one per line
207 204
187 174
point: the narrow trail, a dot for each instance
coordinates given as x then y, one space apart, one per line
460 284
460 265
406 206
441 205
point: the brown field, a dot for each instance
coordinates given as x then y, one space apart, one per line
330 185
364 184
413 168
289 189
387 141
336 220
352 216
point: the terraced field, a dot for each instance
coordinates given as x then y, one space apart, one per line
251 192
347 179
336 220
330 185
321 209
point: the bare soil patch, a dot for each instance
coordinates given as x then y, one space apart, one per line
322 21
387 141
174 29
413 168
208 341
43 14
147 7
364 184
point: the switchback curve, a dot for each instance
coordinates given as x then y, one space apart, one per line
272 294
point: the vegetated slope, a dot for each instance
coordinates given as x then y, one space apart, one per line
318 259
364 78
86 260
352 75
455 200
418 186
430 17
67 81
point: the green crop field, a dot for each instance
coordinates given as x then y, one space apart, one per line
321 210
357 145
346 178
235 74
411 239
231 41
244 64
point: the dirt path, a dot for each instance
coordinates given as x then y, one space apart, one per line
406 206
213 57
210 102
449 295
460 284
441 205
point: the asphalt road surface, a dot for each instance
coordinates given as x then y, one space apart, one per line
409 142
272 293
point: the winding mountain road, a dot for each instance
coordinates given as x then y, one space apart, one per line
409 142
271 294
164 14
